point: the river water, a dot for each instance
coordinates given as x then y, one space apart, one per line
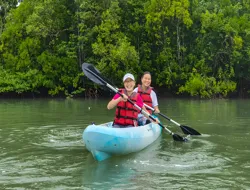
41 147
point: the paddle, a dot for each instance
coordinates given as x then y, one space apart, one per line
93 74
186 130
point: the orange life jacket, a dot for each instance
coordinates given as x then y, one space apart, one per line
126 113
146 97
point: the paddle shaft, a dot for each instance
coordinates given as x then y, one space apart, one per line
163 115
185 129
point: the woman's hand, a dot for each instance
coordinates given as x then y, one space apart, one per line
156 121
124 97
156 109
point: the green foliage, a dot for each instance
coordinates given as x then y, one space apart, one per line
39 49
207 87
20 82
113 47
166 24
44 43
60 72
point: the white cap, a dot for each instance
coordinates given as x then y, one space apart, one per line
128 75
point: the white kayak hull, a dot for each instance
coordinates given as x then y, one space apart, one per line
103 141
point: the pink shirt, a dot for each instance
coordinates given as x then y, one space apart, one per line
139 101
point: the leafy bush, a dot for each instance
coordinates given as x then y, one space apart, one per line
207 87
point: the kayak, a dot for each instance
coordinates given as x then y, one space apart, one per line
104 141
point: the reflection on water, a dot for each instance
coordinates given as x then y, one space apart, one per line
42 148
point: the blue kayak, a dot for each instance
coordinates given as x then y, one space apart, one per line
103 141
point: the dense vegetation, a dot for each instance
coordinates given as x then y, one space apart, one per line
191 47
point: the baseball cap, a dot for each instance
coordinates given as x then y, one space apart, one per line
128 75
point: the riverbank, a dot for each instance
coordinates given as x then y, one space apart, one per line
103 93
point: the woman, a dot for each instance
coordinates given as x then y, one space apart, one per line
126 113
148 95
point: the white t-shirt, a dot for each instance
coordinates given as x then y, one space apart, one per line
153 97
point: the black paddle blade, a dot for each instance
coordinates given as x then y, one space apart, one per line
93 74
179 138
189 131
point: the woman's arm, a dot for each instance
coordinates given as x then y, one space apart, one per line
154 101
156 109
113 103
117 98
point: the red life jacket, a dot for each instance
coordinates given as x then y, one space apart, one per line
126 113
146 97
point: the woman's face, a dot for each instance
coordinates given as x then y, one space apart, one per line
146 80
129 84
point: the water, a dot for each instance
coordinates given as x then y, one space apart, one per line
41 147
